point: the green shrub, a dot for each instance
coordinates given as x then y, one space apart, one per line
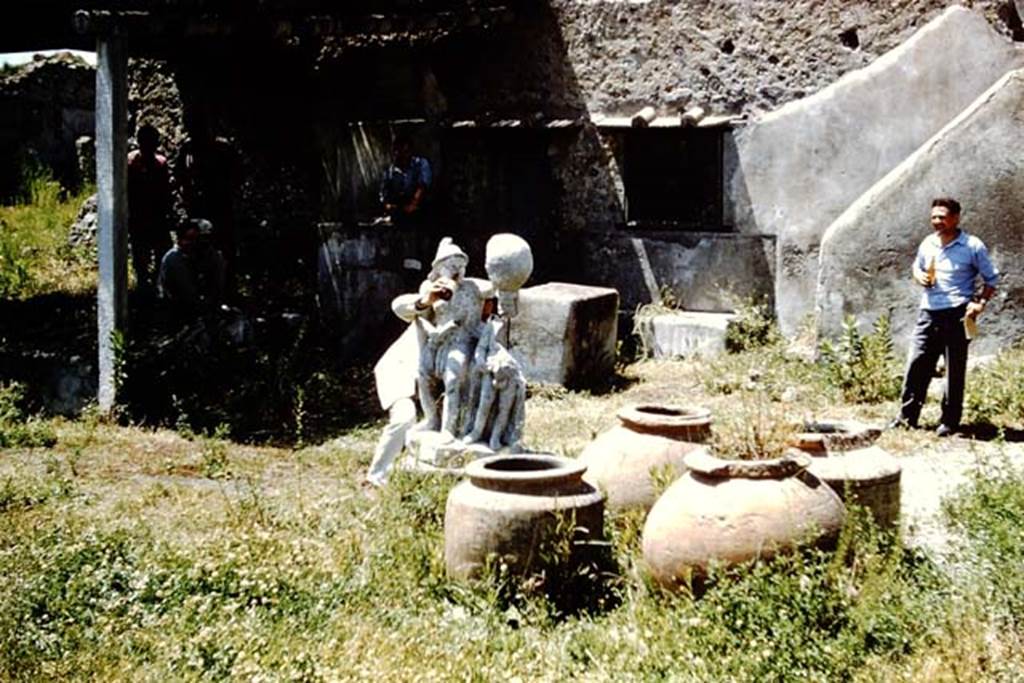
754 327
769 370
995 392
16 429
862 367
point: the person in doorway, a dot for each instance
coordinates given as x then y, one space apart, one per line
947 265
406 182
149 207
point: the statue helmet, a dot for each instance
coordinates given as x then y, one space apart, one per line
446 250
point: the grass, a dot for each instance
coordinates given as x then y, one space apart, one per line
140 554
145 554
35 257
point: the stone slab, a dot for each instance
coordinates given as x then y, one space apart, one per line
685 333
429 452
566 333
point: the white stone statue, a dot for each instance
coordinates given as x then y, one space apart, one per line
470 388
499 392
447 333
498 387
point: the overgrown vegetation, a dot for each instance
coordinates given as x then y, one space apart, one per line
35 256
755 429
995 392
138 554
988 512
753 328
863 366
18 430
285 571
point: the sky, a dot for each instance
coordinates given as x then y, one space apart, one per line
22 57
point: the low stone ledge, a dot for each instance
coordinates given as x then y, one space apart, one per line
684 333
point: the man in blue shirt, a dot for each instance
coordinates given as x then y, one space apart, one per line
405 184
947 264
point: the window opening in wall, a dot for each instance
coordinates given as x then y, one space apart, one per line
673 178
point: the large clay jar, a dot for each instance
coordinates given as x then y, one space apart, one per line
515 507
649 440
731 511
845 456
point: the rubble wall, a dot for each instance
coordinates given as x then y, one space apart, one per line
45 106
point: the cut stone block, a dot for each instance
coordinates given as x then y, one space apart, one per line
685 333
566 334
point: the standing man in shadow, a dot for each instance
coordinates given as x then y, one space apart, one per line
206 171
149 208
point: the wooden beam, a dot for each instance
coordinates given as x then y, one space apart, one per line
112 211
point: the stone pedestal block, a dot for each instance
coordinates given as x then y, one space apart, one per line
566 333
685 333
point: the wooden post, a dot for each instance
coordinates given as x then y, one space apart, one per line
112 210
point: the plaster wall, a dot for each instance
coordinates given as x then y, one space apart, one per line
732 56
699 271
801 166
866 253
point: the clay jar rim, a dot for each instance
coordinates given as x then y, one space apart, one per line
525 472
821 436
703 463
659 418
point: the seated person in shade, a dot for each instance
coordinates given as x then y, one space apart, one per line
192 272
406 182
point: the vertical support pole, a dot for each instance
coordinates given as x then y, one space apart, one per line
112 209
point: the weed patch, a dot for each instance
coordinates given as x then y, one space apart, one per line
17 429
754 327
863 366
35 257
995 392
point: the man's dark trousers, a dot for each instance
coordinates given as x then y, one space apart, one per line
936 333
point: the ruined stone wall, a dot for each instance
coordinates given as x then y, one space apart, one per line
747 59
728 56
44 107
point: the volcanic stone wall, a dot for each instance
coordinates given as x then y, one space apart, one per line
44 107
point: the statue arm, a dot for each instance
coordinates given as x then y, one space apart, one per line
406 307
